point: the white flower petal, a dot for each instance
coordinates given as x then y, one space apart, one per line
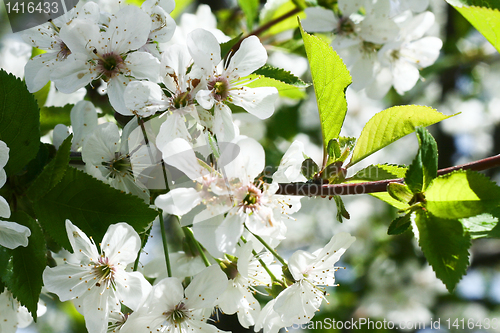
178 201
101 145
83 120
38 70
13 234
116 94
68 281
180 154
132 289
205 99
223 125
121 243
250 56
145 98
128 30
204 48
298 303
319 19
229 232
143 65
83 248
4 205
4 154
205 287
257 101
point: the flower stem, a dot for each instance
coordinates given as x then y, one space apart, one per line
273 278
189 233
275 254
165 245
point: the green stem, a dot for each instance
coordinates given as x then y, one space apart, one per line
165 245
275 254
273 278
189 233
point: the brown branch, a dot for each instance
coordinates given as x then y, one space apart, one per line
266 26
309 189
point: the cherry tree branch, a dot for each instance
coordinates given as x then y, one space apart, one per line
311 189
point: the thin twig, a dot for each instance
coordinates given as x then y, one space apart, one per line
310 189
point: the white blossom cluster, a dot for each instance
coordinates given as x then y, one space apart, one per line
382 42
177 86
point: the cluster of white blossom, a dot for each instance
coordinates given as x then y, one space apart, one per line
381 41
177 87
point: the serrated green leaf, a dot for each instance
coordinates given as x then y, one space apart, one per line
330 79
424 167
281 75
400 192
478 3
53 115
309 168
391 125
333 149
445 244
284 89
91 205
461 194
53 172
485 20
28 263
483 225
341 210
378 172
5 255
19 122
399 225
251 10
226 47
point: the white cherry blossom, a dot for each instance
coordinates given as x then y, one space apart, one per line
297 303
98 280
224 82
171 308
107 55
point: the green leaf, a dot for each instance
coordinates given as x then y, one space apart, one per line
19 122
91 205
5 255
400 192
251 10
391 125
28 263
309 168
284 89
399 225
478 3
483 225
330 79
341 210
461 194
445 244
281 75
485 20
226 47
378 172
424 167
333 149
53 172
53 115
